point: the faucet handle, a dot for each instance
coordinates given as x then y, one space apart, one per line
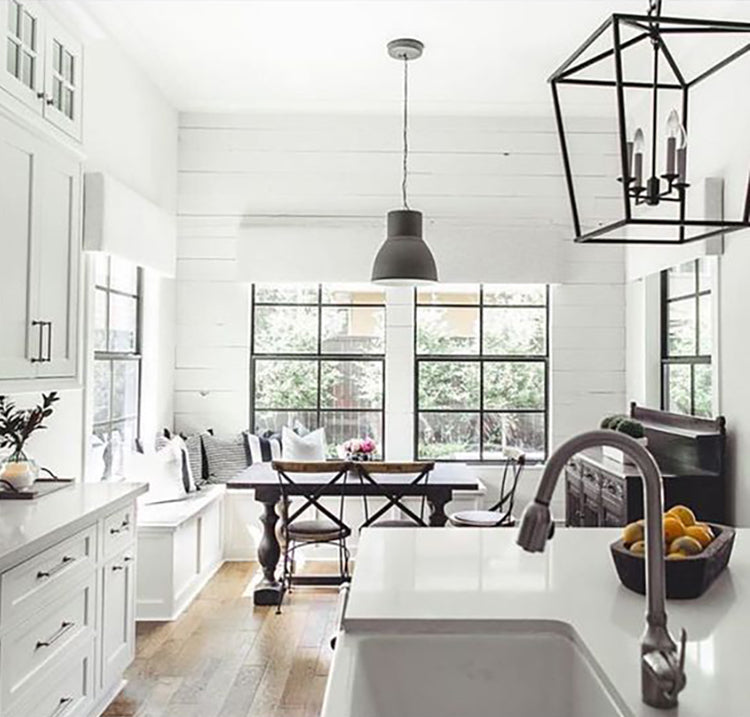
683 645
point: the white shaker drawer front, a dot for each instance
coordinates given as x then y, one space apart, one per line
28 586
68 690
119 531
29 650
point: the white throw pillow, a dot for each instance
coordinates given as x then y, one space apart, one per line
162 470
311 447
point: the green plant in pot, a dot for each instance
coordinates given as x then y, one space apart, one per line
628 426
17 470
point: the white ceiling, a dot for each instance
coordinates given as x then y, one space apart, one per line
485 57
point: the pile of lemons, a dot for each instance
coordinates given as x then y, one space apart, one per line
684 536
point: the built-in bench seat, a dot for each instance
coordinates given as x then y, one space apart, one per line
180 547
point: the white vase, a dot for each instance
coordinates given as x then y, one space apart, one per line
19 471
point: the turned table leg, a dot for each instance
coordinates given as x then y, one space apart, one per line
268 591
438 500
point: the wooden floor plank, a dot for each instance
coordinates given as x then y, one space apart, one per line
225 657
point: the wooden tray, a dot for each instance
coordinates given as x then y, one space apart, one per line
41 487
686 579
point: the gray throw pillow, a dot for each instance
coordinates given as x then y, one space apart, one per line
226 457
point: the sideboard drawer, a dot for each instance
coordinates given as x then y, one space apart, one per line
67 690
27 587
28 650
119 531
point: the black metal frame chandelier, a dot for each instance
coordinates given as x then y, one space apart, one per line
636 56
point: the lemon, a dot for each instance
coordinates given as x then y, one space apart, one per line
701 533
632 533
685 545
685 515
676 556
673 528
638 548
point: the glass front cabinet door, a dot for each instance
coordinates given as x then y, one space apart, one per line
41 64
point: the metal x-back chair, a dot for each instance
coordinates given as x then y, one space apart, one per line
391 493
298 531
501 513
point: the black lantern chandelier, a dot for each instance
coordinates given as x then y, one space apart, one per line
404 259
651 65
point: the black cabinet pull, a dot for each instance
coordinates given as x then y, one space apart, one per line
52 639
42 574
39 358
49 341
62 706
124 526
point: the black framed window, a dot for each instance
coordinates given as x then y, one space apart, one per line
481 371
117 359
686 338
318 360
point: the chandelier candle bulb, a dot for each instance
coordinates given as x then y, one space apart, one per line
639 145
629 170
682 165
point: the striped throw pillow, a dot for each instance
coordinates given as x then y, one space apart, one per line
261 449
226 457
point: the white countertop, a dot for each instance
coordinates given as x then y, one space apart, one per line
473 574
30 526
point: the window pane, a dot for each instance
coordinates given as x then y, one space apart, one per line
681 280
448 385
12 58
448 436
123 276
100 320
274 421
513 385
681 328
57 56
102 388
703 390
101 269
68 67
447 330
124 389
286 293
341 426
353 330
704 275
705 322
27 69
449 294
352 294
123 323
351 384
286 329
13 14
28 30
513 430
286 384
514 294
677 377
515 331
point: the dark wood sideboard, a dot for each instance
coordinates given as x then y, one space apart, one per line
690 451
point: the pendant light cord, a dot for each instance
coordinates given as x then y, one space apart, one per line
406 133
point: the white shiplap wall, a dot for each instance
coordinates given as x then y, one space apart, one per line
273 198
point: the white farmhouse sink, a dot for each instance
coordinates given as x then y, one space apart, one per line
467 669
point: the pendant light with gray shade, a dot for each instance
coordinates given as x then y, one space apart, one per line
404 259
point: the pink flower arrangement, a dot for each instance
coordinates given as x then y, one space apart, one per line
359 446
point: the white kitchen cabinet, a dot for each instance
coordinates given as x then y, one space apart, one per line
40 246
118 615
41 64
67 601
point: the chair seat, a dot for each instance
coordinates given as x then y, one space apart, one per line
314 530
394 523
480 519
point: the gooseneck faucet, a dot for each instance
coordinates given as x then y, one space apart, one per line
662 664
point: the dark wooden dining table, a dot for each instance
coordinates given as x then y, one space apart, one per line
445 479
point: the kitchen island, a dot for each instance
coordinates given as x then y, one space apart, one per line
425 579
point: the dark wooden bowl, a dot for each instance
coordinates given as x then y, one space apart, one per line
688 578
